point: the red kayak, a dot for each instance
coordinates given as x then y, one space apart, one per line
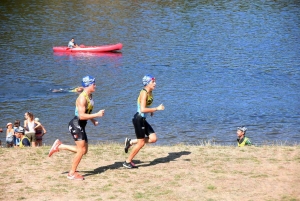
113 54
82 48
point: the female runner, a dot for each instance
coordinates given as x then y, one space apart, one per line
143 130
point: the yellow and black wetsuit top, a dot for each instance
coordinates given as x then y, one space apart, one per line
90 104
244 141
148 102
24 142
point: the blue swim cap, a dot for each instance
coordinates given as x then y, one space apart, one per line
87 81
147 79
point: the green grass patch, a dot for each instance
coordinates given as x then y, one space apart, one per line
259 176
288 198
211 187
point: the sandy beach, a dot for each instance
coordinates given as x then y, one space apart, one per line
178 172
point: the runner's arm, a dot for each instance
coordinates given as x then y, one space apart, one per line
81 106
144 109
94 121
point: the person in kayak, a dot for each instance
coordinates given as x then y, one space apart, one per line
72 43
143 130
242 139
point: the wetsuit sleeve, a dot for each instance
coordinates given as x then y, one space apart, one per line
248 142
26 142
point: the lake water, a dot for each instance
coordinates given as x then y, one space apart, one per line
218 65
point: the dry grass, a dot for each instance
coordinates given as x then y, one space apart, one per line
180 172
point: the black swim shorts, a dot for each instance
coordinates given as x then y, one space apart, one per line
141 126
77 129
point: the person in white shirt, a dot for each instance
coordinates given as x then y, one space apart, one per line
72 43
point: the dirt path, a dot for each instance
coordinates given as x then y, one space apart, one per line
165 173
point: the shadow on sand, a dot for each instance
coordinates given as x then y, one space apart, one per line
117 165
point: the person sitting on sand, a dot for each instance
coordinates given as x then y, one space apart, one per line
72 43
242 139
24 140
9 135
17 124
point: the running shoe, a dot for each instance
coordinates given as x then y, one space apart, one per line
127 144
54 147
129 165
75 176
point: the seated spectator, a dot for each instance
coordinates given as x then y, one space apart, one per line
39 133
24 140
17 124
9 135
242 139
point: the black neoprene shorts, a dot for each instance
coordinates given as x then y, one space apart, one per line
141 126
77 129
